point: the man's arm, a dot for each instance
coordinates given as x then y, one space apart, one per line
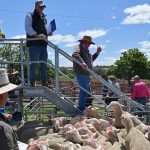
28 25
133 95
29 29
99 49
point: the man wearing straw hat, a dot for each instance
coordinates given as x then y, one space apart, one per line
82 54
8 137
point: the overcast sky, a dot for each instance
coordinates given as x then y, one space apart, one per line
115 25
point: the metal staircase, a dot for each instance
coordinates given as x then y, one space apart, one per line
121 95
55 97
60 101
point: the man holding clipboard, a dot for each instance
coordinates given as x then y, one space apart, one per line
35 26
52 26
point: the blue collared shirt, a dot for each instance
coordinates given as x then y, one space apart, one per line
28 25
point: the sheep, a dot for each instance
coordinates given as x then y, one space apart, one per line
58 123
91 112
115 139
104 124
92 143
118 111
74 136
76 119
68 146
112 136
38 145
135 139
95 122
67 128
80 124
145 129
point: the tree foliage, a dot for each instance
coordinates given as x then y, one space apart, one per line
100 70
12 53
133 62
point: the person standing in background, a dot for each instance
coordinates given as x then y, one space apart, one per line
15 78
140 92
113 81
82 54
35 26
104 88
112 96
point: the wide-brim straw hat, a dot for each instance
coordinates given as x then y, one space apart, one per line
87 39
5 85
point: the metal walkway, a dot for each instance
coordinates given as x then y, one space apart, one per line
61 102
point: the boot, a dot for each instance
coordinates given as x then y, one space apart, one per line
32 84
44 83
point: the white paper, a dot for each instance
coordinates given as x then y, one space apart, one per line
48 28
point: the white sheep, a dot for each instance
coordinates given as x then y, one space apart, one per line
118 111
58 123
91 112
74 136
145 129
135 139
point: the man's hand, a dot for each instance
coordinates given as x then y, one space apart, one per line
99 49
84 65
41 36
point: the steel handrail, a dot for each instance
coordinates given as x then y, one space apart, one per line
99 78
109 86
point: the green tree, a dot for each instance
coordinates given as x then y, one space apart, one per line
100 70
131 63
12 53
51 72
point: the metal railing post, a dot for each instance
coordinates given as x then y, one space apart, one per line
22 62
56 70
28 67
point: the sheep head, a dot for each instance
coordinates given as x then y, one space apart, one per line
113 105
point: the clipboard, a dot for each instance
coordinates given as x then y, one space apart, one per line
53 25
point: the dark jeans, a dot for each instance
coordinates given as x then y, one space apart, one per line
38 53
141 100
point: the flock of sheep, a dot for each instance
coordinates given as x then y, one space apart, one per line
90 132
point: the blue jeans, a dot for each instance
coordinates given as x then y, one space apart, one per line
38 53
83 81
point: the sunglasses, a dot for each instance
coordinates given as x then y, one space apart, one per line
41 7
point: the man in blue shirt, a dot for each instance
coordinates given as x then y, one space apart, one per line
35 26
